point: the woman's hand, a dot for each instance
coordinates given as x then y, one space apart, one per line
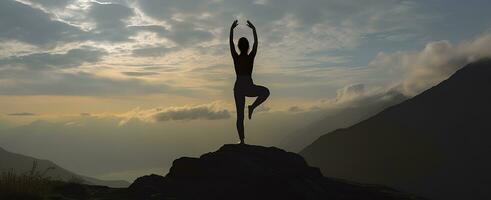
249 24
235 24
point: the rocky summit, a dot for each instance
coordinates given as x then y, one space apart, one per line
252 172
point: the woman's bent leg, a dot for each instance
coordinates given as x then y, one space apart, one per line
239 105
262 94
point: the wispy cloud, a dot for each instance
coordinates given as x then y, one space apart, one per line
208 112
140 73
438 60
52 61
152 51
24 82
212 111
22 114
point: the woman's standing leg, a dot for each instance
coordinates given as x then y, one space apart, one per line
239 105
262 94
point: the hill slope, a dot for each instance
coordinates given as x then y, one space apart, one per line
21 163
436 144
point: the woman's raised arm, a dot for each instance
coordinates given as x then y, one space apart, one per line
231 40
254 47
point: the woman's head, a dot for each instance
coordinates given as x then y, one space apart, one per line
243 45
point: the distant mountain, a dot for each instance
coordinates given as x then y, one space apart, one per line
21 164
342 118
436 144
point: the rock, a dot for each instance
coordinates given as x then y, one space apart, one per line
243 161
150 184
252 172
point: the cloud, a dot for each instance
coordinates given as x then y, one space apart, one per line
22 114
51 3
139 73
212 111
166 9
287 25
152 51
410 72
187 34
110 15
21 22
45 61
110 20
434 63
295 109
350 92
182 33
55 23
25 82
359 95
298 40
208 112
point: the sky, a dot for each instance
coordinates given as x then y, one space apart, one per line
120 88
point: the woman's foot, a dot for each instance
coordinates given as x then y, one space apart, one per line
251 109
241 141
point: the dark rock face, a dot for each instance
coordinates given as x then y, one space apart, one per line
236 161
251 172
148 185
436 144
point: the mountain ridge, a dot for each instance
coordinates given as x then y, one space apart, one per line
341 118
417 144
22 163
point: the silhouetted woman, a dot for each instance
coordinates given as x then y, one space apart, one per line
244 87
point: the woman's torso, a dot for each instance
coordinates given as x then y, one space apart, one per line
243 65
243 69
